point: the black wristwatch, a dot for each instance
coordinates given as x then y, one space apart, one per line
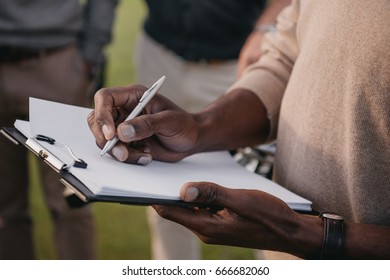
333 241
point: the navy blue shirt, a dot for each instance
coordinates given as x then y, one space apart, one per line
202 29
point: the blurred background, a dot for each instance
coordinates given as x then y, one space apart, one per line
122 231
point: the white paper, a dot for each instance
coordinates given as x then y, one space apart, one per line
106 176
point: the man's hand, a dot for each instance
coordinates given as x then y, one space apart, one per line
163 132
249 218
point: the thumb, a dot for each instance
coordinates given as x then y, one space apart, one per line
205 193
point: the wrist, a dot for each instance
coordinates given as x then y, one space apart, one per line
251 128
309 237
204 125
321 237
333 237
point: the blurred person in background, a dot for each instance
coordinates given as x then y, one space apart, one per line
49 49
201 47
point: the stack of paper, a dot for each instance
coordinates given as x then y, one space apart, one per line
105 176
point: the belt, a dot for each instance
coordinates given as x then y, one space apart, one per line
17 54
190 58
209 61
204 61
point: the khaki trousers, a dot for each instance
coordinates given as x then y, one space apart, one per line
58 76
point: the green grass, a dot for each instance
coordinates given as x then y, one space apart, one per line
122 231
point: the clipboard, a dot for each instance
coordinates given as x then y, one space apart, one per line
107 180
78 193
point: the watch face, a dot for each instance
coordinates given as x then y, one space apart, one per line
332 216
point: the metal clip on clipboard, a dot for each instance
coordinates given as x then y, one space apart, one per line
78 162
45 155
16 137
72 195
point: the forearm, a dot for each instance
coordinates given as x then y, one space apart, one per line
364 241
235 120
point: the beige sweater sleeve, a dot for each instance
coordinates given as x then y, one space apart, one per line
269 76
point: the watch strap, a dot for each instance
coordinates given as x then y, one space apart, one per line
333 240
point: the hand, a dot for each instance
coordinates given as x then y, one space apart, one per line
250 218
163 132
250 52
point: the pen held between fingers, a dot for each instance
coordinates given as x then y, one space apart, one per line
146 97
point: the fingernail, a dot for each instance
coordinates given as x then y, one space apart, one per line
127 131
106 131
118 153
191 194
145 160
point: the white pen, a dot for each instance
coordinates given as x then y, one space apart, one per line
146 97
